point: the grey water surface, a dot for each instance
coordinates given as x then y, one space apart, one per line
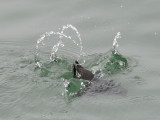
26 95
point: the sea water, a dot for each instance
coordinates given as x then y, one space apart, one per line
33 86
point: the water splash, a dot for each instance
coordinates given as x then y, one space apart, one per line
102 65
115 43
59 44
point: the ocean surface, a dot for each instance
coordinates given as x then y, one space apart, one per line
41 39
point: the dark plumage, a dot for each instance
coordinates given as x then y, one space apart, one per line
84 73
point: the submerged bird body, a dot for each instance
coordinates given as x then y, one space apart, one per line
95 84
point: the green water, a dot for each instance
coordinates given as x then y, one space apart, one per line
28 92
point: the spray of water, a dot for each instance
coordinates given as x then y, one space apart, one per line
59 43
115 43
